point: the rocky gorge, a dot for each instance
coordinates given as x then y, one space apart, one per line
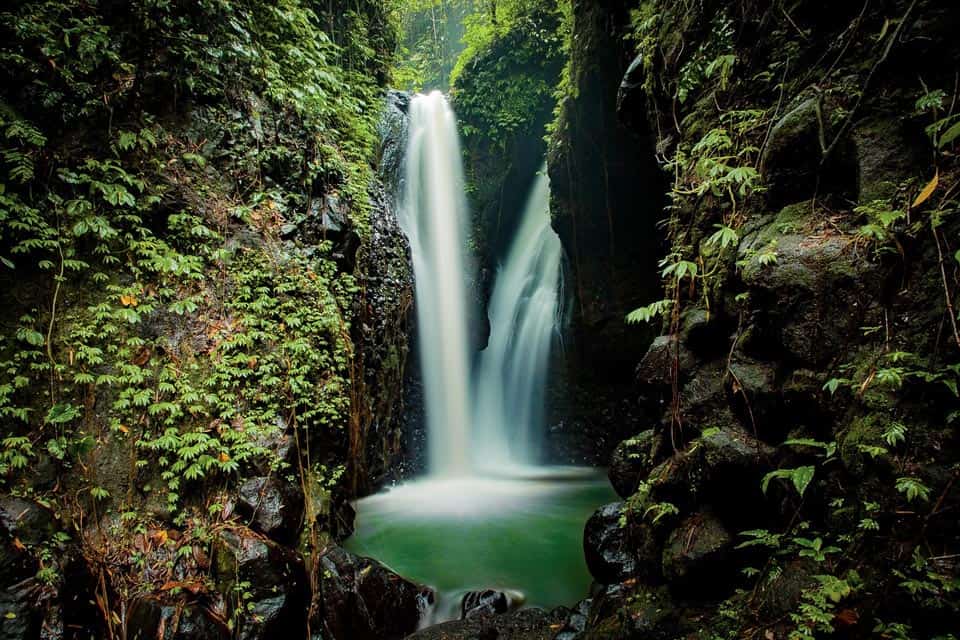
210 349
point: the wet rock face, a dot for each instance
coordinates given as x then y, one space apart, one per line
610 557
274 507
271 579
363 600
696 555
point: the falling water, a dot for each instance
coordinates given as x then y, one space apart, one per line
511 379
434 217
482 518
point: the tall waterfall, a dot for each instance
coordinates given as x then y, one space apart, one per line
524 313
489 421
434 218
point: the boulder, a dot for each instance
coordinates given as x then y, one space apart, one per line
150 619
363 600
791 160
487 602
696 555
271 579
274 507
632 462
606 548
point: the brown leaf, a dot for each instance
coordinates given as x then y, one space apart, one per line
847 618
128 301
927 190
143 355
159 536
18 545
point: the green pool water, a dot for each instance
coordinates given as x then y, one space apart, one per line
522 534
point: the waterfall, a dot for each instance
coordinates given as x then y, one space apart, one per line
524 313
434 217
490 419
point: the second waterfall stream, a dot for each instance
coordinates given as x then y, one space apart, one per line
488 513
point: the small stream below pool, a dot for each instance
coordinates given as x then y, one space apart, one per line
518 534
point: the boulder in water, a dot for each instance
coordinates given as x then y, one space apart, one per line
488 602
363 600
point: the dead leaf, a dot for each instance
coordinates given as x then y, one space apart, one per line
128 301
224 457
768 634
847 618
123 429
927 190
159 536
18 545
143 355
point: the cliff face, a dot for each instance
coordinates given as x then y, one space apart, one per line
607 198
800 478
205 296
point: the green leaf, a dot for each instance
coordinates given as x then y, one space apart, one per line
950 135
61 413
800 477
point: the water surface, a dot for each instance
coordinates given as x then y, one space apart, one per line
460 534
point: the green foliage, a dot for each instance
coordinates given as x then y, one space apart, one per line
799 477
173 213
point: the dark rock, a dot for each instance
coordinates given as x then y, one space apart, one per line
791 160
20 617
525 624
813 300
485 603
781 595
755 392
705 334
363 600
149 619
608 553
274 583
23 523
273 506
696 555
665 354
887 150
576 621
632 462
704 402
723 467
26 520
634 611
